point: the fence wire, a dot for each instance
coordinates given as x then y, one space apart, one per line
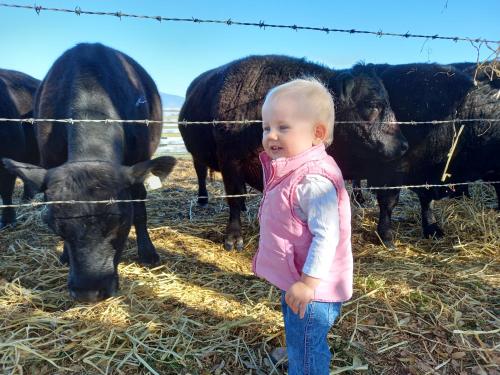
261 24
224 196
147 122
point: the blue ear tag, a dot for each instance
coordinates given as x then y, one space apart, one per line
140 100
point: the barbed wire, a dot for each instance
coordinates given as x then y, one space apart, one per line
147 122
223 196
114 201
261 24
427 186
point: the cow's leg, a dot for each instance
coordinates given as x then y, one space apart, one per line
201 172
387 200
357 193
64 258
145 248
7 182
243 205
430 226
234 184
28 193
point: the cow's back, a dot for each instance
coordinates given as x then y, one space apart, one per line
246 82
22 88
92 81
235 92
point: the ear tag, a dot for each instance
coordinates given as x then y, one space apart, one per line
152 182
140 100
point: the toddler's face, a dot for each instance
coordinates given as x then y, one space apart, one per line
288 128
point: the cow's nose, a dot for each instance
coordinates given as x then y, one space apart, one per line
88 295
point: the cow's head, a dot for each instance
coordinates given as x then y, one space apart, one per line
361 98
94 234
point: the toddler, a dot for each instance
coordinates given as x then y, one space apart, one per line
305 220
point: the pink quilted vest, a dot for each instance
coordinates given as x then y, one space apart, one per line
285 239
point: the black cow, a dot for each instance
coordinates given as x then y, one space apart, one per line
17 141
425 92
236 91
484 73
96 161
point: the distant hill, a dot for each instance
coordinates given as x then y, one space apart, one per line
171 101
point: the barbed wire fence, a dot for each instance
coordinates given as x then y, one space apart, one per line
224 196
261 24
71 121
490 66
147 122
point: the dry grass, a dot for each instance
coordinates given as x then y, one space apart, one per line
430 307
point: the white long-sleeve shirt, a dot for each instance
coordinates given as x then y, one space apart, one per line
316 204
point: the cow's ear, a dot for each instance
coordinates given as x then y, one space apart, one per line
30 174
160 167
343 85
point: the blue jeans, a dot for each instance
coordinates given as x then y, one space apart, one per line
306 342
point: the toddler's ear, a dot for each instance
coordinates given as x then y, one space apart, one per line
319 133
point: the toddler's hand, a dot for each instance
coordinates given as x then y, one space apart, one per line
298 296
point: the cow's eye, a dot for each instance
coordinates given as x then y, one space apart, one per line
373 113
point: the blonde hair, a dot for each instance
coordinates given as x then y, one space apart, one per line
317 98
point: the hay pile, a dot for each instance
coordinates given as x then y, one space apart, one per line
431 307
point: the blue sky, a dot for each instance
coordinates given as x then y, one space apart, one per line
175 53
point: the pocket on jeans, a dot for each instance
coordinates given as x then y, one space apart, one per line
334 312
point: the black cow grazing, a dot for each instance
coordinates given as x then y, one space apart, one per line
17 141
96 161
425 92
236 91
